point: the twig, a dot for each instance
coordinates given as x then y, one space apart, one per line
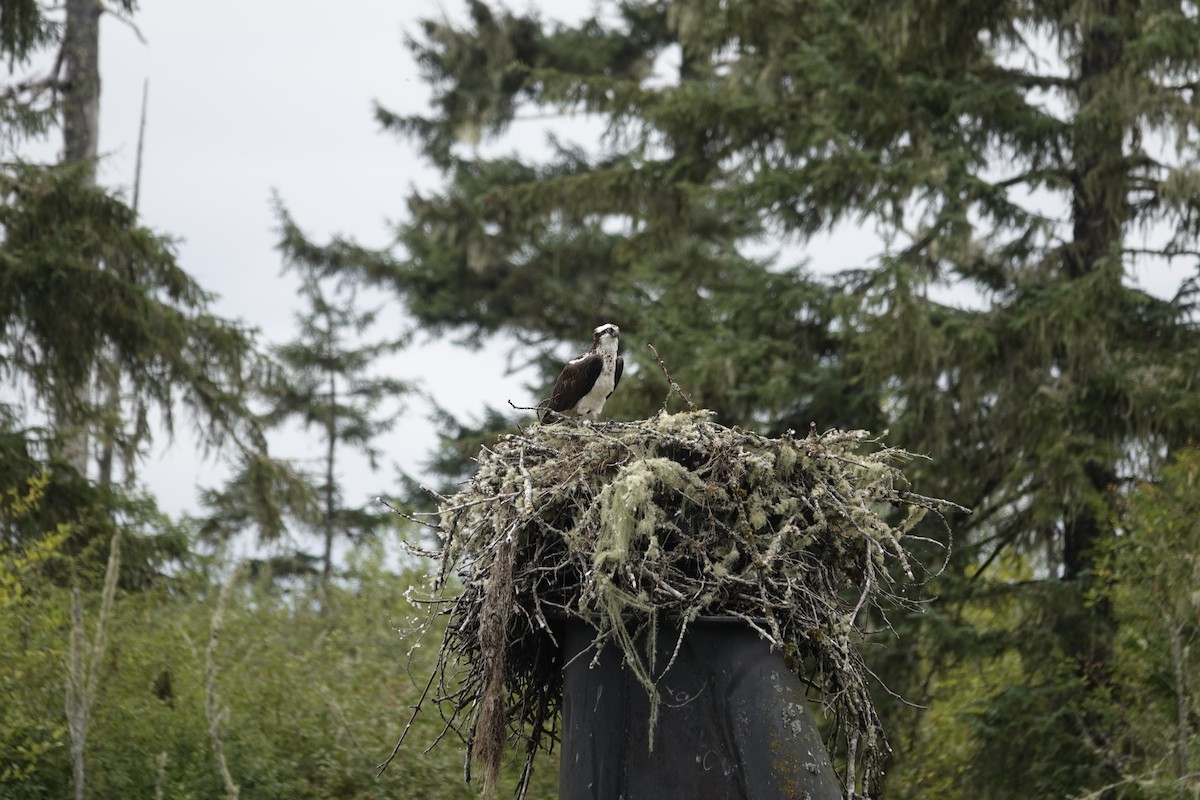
408 517
528 484
404 733
645 521
137 169
671 380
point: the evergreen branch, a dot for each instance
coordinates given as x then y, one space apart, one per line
1027 80
1170 251
105 8
1030 176
34 86
919 243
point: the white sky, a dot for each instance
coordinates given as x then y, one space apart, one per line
247 97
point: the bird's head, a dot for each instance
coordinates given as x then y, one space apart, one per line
605 332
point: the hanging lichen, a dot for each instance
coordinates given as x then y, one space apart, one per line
633 525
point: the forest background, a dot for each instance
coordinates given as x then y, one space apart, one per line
1023 176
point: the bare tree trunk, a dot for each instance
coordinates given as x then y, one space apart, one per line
331 434
137 164
107 386
81 137
81 140
108 381
83 666
81 100
1183 712
212 702
160 781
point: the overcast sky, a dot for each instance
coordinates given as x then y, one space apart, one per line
250 97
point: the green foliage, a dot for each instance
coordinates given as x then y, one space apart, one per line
1008 153
26 106
644 233
329 369
27 738
31 100
101 332
89 514
262 493
25 562
329 374
88 298
84 287
23 29
314 699
1151 576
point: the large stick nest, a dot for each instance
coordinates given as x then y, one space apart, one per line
629 525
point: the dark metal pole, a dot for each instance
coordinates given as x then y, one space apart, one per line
733 725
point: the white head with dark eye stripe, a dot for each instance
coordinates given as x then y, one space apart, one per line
605 338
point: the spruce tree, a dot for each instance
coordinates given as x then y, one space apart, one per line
90 297
328 382
83 287
1155 570
636 234
1010 153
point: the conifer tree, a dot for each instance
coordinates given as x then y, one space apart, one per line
86 293
634 234
329 383
1011 152
26 105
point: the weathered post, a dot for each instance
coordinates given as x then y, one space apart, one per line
734 722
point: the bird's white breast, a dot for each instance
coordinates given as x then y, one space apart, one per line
592 403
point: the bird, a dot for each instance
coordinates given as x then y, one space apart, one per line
588 380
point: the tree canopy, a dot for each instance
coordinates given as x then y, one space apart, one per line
1027 172
1020 163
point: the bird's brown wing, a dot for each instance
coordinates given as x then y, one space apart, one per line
576 378
617 374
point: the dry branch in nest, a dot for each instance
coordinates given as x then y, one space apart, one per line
632 525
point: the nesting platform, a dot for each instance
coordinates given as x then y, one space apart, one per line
638 526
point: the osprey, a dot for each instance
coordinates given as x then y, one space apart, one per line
587 381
